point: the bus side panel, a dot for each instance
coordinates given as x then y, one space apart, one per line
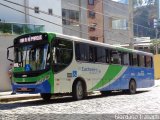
144 78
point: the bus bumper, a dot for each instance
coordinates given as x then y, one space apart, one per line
44 87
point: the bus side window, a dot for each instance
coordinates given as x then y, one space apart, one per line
82 51
141 61
151 62
135 60
148 61
107 56
115 57
130 59
125 59
92 54
101 55
77 51
62 54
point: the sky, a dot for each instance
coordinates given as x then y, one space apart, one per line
122 1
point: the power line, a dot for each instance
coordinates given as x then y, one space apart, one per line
110 16
54 16
60 17
68 20
40 18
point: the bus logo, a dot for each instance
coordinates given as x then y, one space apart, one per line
74 73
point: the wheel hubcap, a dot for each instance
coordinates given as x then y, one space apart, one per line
79 90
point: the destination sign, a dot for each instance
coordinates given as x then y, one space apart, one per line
31 39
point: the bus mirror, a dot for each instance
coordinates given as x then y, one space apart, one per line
8 53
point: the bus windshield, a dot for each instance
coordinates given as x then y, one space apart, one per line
32 57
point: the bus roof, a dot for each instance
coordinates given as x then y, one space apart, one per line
74 38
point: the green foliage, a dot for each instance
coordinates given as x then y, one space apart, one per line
140 3
155 42
143 19
5 28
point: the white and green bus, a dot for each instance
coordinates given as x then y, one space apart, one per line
52 64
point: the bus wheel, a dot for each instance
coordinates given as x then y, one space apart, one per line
46 96
132 87
78 92
104 93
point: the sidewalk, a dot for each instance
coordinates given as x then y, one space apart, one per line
7 97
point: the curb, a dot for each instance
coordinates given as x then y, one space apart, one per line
18 98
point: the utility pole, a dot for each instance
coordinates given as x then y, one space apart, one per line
26 4
80 18
130 23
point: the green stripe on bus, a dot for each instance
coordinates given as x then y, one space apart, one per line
51 36
111 73
51 81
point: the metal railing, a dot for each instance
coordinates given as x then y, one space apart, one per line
18 29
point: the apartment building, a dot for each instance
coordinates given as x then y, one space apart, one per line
99 20
74 15
116 22
95 20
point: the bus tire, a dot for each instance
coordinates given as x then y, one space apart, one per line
132 87
78 90
46 96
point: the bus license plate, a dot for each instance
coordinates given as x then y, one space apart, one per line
24 89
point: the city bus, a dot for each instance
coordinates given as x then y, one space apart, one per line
53 64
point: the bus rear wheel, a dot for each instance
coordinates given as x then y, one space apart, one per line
46 96
132 87
78 91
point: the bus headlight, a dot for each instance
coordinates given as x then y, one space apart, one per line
43 79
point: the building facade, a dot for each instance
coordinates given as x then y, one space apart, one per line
98 20
44 11
74 15
95 20
116 22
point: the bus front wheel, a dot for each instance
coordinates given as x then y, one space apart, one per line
78 91
46 96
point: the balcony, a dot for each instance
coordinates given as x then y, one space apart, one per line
18 29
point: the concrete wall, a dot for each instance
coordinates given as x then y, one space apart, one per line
44 5
114 11
5 41
73 5
9 15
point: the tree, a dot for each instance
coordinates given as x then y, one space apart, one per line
139 3
155 45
